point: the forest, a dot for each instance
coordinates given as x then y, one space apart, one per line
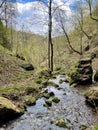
48 64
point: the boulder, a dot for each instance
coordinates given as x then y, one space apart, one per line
55 99
27 67
8 110
92 96
82 73
61 123
48 102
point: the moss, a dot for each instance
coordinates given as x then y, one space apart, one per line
38 80
30 90
92 97
29 100
37 87
53 84
46 95
54 76
73 85
56 100
95 127
15 87
82 127
48 102
45 73
7 108
60 81
57 68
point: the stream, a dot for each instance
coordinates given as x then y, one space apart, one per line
72 107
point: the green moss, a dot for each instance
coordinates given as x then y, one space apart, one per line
61 123
82 127
45 73
73 85
60 81
29 100
46 95
95 127
56 100
38 80
54 76
37 87
15 87
57 68
48 102
53 84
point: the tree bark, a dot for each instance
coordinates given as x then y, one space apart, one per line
50 44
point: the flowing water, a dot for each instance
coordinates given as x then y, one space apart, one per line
72 107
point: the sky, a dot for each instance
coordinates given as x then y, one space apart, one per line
32 16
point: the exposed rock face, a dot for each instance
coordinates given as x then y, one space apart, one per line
8 110
83 72
92 96
28 67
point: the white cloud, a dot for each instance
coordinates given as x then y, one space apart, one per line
21 7
34 15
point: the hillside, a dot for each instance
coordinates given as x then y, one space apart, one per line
12 71
33 49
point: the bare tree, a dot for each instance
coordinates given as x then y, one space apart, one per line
90 5
62 18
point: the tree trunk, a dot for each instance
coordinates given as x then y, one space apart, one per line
50 44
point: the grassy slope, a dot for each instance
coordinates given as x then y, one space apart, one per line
11 72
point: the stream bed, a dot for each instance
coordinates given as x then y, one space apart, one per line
72 108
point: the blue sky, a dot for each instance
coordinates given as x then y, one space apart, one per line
25 1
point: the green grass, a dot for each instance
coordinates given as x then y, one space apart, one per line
15 87
95 127
4 50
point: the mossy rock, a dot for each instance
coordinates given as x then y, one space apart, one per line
53 84
54 76
44 83
29 100
82 73
56 100
73 85
96 76
27 67
57 68
30 90
45 73
46 91
61 123
46 95
14 96
82 127
92 96
51 94
48 102
8 110
60 81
